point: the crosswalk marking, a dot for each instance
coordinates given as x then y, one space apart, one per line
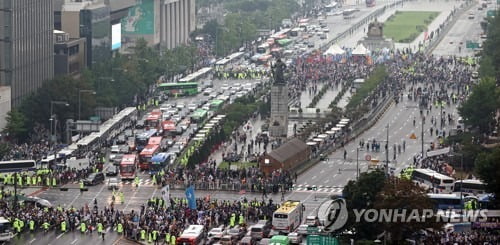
142 182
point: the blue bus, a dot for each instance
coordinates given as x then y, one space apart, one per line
158 162
141 140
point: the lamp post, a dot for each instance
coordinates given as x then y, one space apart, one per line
357 163
80 91
387 151
53 124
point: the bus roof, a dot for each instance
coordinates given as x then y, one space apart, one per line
448 196
160 157
149 149
470 181
199 113
288 207
4 220
193 230
167 85
432 173
229 58
156 140
128 159
147 134
196 75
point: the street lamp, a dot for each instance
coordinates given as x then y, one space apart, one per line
53 125
80 91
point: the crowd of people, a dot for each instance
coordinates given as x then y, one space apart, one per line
482 237
158 220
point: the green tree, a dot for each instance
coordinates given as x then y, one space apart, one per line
361 194
16 125
479 108
4 149
404 195
488 168
490 61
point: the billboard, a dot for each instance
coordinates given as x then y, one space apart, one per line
140 19
116 36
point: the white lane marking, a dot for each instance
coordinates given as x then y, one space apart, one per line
314 177
34 239
74 241
60 235
326 181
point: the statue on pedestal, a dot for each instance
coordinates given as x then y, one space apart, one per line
375 29
278 69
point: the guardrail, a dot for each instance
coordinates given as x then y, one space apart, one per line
247 187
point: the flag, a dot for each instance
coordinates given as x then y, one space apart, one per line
190 197
165 193
426 36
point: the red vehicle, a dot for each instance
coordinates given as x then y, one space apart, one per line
156 140
168 126
128 167
146 154
154 119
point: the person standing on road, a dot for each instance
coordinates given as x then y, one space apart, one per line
136 181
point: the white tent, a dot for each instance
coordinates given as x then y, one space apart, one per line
334 50
360 50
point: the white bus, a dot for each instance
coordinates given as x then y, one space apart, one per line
433 179
288 216
6 231
471 186
192 235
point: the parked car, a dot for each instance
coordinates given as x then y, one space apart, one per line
259 231
113 183
248 240
94 179
115 149
216 232
302 230
237 232
295 238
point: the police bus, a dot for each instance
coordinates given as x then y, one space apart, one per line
288 216
432 179
470 186
6 230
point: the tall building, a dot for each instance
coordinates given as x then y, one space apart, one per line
91 20
160 22
26 47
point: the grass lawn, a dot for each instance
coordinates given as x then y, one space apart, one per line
405 26
225 165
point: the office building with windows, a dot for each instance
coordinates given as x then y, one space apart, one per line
26 49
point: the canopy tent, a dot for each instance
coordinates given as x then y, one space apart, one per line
335 129
340 125
343 123
311 143
345 120
322 136
220 116
334 50
318 139
200 136
360 50
209 125
438 152
330 132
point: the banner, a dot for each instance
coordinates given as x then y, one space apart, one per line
190 197
165 193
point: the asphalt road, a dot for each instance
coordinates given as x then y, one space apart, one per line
333 173
466 28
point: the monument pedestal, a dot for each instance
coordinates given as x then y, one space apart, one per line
278 125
